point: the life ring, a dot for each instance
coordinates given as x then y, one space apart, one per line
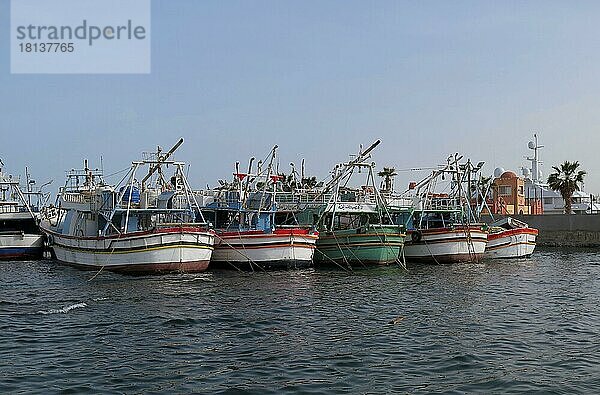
416 236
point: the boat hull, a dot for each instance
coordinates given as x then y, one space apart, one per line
255 250
446 245
20 246
511 243
358 249
164 250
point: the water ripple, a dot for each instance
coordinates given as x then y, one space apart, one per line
63 310
501 326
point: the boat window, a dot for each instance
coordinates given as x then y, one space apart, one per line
432 220
27 225
348 196
404 219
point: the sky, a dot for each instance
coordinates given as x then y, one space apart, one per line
319 78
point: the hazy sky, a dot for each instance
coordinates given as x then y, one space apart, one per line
318 78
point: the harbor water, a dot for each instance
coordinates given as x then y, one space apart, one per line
514 326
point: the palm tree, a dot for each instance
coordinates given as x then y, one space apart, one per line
388 174
566 180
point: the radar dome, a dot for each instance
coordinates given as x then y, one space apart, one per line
498 172
531 145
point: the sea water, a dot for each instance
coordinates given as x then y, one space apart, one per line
530 325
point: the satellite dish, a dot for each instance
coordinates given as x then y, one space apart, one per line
498 172
531 145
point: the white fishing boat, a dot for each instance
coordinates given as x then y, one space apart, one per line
510 238
452 244
247 234
442 226
20 237
278 249
153 225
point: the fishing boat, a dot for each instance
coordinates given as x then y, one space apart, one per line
441 239
247 234
441 227
151 226
355 228
20 236
373 244
510 238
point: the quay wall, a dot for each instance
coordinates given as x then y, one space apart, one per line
563 230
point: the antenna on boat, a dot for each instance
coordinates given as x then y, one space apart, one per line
87 172
277 167
28 181
535 162
293 173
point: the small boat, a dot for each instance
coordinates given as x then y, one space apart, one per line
510 238
247 234
150 226
20 236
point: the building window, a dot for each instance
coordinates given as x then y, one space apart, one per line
504 190
521 190
548 200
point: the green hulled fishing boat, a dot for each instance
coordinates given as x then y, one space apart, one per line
355 228
371 245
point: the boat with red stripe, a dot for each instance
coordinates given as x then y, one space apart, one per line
243 214
152 225
446 245
510 238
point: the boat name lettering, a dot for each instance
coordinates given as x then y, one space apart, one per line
347 206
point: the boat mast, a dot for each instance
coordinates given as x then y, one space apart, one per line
269 175
244 198
346 168
130 183
159 160
335 196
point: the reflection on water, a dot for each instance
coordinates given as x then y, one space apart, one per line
499 326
